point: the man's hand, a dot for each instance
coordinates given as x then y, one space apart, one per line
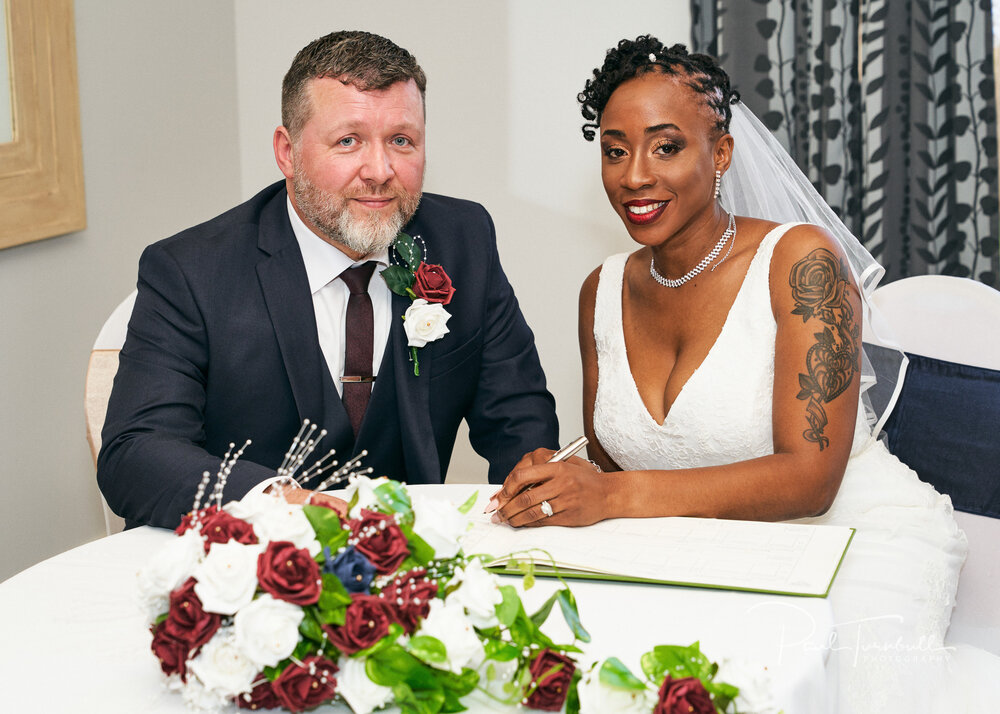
294 494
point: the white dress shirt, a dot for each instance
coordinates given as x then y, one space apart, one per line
324 262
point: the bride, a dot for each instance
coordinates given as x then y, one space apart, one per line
723 373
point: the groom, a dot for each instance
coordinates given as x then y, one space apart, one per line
277 311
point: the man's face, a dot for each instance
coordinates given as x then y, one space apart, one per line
357 166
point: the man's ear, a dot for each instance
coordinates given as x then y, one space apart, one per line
284 151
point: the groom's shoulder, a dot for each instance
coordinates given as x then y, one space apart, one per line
236 228
446 213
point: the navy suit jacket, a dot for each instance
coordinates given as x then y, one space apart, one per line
222 347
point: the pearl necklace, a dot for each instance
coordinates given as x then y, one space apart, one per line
730 232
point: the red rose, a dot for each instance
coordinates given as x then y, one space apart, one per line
380 540
432 284
186 620
262 696
187 518
289 573
410 598
366 621
308 685
220 527
550 691
171 652
684 696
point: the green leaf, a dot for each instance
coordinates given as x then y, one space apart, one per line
333 600
390 666
326 523
542 614
510 605
393 495
398 279
421 552
614 673
408 250
573 695
501 651
394 633
310 626
676 661
469 503
429 649
572 616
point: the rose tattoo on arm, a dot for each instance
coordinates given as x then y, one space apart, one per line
820 285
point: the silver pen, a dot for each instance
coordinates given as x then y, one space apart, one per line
568 450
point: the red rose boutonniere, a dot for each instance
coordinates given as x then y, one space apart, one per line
430 289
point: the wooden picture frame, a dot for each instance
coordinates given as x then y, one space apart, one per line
41 170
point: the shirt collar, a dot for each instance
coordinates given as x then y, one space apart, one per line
323 260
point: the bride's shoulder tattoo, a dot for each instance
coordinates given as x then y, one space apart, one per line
820 285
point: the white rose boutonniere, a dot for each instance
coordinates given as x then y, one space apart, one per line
430 289
425 322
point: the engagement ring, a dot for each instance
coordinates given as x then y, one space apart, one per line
546 508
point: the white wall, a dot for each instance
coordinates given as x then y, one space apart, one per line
158 115
503 129
178 102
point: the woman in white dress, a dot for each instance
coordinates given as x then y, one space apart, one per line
723 368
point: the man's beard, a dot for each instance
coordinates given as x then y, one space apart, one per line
330 213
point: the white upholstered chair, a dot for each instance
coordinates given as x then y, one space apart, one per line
958 320
100 376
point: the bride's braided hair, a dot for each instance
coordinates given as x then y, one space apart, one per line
632 58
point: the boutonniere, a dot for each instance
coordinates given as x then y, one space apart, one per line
430 289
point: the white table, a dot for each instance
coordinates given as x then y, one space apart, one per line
73 638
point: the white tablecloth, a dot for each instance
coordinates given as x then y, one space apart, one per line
73 638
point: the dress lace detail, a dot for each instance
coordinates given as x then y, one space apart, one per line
895 591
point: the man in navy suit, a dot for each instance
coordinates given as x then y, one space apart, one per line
248 324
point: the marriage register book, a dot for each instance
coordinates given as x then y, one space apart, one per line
780 558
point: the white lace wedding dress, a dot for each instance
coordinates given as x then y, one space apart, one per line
895 591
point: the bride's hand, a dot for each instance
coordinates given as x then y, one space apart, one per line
576 493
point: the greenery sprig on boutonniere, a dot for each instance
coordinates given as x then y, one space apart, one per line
430 289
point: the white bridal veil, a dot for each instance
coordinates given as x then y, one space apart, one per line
764 182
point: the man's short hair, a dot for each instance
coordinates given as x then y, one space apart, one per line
361 59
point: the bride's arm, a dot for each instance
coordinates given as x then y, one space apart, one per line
816 383
588 358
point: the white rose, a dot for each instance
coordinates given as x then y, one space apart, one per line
596 697
447 622
223 667
425 322
361 693
364 487
267 630
478 593
440 524
756 692
168 569
273 518
227 577
200 698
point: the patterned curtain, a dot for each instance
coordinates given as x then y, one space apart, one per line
887 106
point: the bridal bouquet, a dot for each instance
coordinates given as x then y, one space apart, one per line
269 604
266 604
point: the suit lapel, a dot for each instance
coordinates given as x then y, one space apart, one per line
413 402
283 281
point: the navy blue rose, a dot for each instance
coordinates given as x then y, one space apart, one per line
352 568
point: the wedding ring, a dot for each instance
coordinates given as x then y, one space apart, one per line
546 508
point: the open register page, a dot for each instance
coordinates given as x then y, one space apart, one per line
781 558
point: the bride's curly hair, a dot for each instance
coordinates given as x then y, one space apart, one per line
632 58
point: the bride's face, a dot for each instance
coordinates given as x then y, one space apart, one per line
659 151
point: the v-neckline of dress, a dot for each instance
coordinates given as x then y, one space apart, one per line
708 355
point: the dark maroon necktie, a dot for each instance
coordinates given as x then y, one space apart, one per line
359 334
